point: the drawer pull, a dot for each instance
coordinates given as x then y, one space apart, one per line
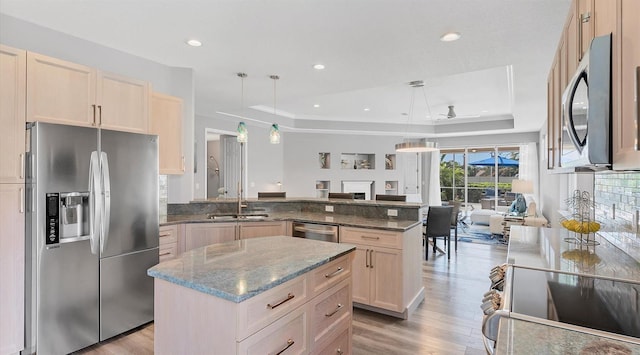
289 297
290 343
165 234
167 253
334 311
339 351
371 258
369 237
339 270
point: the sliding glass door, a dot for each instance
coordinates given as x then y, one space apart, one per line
480 177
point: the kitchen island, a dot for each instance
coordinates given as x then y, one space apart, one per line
259 295
559 318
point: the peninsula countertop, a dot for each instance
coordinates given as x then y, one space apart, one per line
306 217
239 270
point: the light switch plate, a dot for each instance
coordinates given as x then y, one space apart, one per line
392 213
328 208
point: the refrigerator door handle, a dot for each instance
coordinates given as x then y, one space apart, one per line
106 212
95 204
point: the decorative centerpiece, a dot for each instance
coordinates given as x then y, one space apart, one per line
581 222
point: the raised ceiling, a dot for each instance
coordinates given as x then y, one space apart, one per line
495 73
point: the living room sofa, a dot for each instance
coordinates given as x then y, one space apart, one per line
532 219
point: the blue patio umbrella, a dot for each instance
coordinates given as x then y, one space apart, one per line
491 161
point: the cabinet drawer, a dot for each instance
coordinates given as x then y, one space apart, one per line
288 335
338 345
168 234
331 274
259 311
168 251
329 309
373 237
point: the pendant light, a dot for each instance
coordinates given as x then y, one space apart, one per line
274 133
415 146
243 133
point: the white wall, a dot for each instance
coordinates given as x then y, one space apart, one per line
170 80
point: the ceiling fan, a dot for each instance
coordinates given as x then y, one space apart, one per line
452 114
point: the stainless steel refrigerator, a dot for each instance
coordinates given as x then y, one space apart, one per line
92 232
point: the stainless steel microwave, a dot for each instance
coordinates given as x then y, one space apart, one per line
586 111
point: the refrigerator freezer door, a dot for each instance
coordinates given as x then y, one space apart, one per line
133 177
126 292
62 279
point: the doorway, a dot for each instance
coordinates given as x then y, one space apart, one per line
222 164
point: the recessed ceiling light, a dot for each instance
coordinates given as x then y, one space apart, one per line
450 36
194 43
316 105
367 109
318 66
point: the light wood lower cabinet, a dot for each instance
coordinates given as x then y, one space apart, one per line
386 269
12 252
200 234
311 313
261 229
168 242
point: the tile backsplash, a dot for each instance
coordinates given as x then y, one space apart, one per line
622 190
162 193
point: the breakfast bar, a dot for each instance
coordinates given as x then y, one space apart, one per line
261 295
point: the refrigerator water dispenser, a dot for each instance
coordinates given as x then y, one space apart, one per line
74 216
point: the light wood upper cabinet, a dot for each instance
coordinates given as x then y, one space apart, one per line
626 125
68 93
585 25
166 122
12 111
123 103
12 267
571 41
60 91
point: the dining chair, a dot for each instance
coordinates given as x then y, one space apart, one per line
455 215
438 225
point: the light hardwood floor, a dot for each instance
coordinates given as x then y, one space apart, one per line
447 322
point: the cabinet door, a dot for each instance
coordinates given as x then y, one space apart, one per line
585 21
261 229
386 278
60 91
13 64
201 234
360 270
571 41
11 267
626 125
603 17
123 103
166 122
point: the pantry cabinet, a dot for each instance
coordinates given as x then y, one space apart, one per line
12 253
12 106
68 93
166 122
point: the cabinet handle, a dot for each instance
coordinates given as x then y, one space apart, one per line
339 270
638 107
100 114
290 343
371 259
290 296
21 192
369 237
366 258
94 115
21 166
339 307
339 351
183 166
165 234
167 253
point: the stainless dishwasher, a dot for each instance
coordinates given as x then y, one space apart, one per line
324 232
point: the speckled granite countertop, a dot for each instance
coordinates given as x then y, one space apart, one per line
239 270
518 337
306 217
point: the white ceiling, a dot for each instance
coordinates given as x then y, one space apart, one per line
371 50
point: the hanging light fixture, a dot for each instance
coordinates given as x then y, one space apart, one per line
416 146
243 133
274 134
